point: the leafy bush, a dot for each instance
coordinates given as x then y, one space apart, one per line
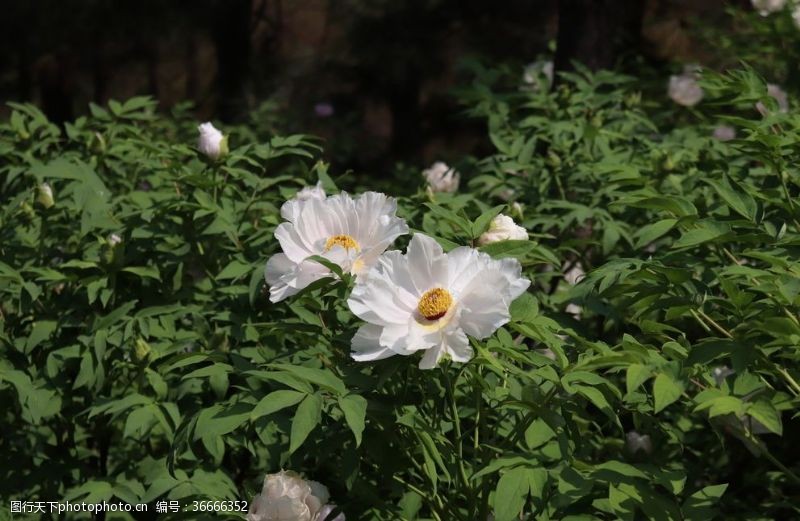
141 358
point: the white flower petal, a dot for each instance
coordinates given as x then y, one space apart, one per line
427 263
366 344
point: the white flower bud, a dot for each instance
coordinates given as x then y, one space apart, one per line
767 7
724 133
538 75
326 511
44 195
288 497
721 373
114 239
517 210
442 178
211 142
311 192
503 228
635 442
683 89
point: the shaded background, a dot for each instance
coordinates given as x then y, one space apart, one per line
380 71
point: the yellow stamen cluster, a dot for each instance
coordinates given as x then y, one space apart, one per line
434 303
345 241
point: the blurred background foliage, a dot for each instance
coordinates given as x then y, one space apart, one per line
384 69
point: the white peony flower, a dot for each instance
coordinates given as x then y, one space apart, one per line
503 228
442 178
724 133
430 300
349 232
767 7
538 75
636 442
311 192
326 511
211 141
684 89
779 95
288 497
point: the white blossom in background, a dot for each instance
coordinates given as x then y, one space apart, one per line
44 195
684 89
767 7
724 133
211 142
323 109
721 373
575 274
503 228
114 239
796 15
349 232
288 497
538 75
442 178
428 300
311 192
326 511
779 95
572 277
635 442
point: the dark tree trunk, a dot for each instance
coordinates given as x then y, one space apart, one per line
232 38
597 32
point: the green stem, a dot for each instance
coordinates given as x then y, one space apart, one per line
457 426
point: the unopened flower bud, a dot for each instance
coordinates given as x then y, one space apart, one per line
141 350
503 228
44 195
211 142
98 143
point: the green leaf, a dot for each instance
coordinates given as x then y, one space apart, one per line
700 505
524 308
735 197
40 332
354 408
666 390
503 249
234 270
306 418
275 401
651 232
509 498
482 223
538 433
321 377
706 231
767 415
635 376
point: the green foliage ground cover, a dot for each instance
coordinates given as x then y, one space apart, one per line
140 358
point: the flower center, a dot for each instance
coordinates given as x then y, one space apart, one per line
434 303
345 241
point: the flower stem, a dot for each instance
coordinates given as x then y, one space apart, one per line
457 426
